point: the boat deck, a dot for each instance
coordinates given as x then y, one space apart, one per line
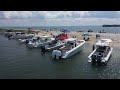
103 52
66 48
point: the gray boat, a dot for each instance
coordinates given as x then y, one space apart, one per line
102 51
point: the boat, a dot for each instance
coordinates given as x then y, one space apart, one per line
9 34
25 41
102 51
90 30
57 43
44 40
22 41
71 47
21 36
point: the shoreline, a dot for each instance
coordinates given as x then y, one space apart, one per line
112 36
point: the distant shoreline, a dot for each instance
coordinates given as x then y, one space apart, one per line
110 25
113 36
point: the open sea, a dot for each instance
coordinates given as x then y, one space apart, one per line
19 62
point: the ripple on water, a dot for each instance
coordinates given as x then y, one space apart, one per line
17 61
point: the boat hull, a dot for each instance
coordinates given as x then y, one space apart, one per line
73 52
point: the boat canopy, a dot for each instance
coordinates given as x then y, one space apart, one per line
104 42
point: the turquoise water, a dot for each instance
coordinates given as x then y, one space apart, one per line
73 28
19 62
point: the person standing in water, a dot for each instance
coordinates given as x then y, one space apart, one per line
93 47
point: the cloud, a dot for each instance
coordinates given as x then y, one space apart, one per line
42 14
58 18
58 14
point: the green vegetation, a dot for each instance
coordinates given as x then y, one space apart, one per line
29 31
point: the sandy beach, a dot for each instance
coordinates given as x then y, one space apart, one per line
114 37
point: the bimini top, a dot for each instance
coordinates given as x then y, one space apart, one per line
104 42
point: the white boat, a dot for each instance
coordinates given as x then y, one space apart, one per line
21 36
24 41
71 47
44 40
102 51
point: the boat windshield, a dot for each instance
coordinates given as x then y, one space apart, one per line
101 49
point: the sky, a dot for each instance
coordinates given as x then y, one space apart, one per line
58 18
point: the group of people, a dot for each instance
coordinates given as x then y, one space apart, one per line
86 39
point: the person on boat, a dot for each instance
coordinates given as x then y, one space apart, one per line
75 45
46 40
84 38
38 38
34 40
27 41
43 49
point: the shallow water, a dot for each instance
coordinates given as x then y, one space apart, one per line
19 62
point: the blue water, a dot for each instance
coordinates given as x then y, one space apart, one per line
72 28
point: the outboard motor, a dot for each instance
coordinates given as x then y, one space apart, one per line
54 54
93 58
58 54
99 58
